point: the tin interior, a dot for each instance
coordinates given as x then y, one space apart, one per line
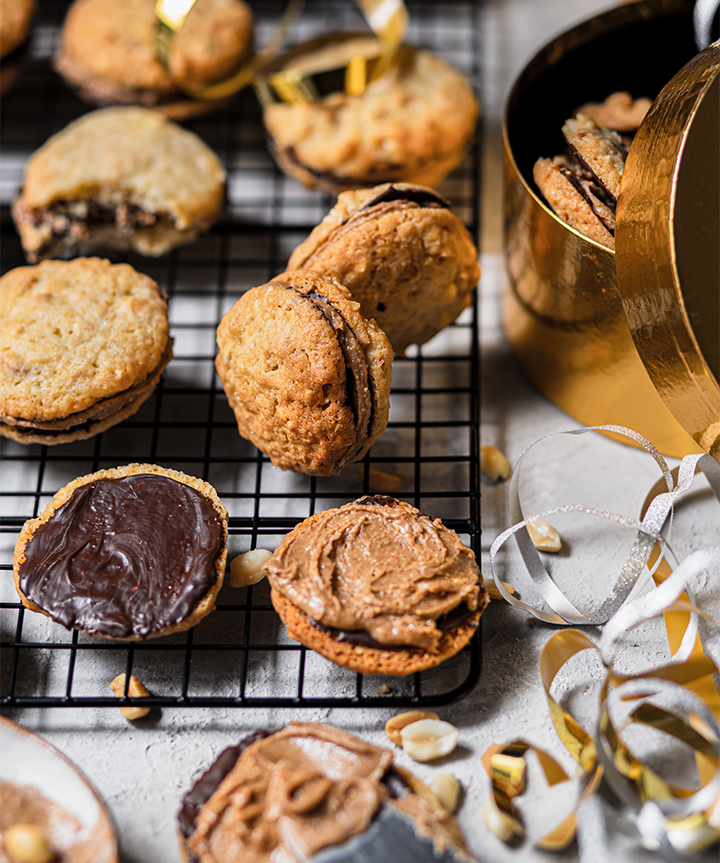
638 48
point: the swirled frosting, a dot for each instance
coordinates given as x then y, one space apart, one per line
380 566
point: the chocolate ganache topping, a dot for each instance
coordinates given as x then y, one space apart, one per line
124 557
381 567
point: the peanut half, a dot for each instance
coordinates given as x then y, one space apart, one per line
395 724
380 481
543 535
247 568
136 689
447 790
493 464
427 739
26 843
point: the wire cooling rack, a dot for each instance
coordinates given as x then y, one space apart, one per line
240 655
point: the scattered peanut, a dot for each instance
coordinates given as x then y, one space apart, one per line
543 535
428 738
396 723
447 790
384 482
135 690
247 568
384 688
26 843
493 463
493 592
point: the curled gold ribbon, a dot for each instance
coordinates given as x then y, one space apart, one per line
669 818
387 19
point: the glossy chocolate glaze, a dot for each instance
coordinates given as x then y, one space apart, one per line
124 557
203 789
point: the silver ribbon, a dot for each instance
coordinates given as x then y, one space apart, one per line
634 575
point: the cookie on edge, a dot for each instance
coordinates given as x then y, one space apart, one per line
318 783
82 345
377 586
119 178
403 254
413 124
127 553
16 17
307 376
107 53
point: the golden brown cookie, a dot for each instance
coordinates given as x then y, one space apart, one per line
122 178
307 376
309 788
413 124
619 112
403 255
108 52
82 345
16 18
377 586
127 553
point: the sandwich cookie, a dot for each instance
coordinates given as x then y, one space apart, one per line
377 586
108 53
313 792
128 553
582 185
412 124
402 253
16 18
82 345
307 376
120 178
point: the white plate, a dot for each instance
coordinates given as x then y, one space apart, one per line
28 760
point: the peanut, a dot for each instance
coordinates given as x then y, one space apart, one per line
493 463
429 738
26 843
543 535
135 690
247 568
396 723
383 482
447 790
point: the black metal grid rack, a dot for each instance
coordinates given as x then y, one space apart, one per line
240 654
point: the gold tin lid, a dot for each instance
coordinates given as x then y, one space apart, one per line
667 246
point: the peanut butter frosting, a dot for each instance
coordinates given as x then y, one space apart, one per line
308 787
377 565
317 783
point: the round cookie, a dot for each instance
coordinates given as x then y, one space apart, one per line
307 376
413 124
377 586
107 52
403 255
122 178
82 345
15 21
127 553
323 787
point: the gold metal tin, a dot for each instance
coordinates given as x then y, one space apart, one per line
563 311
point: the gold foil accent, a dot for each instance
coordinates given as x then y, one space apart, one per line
562 309
387 19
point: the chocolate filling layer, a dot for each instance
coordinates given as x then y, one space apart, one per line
602 203
457 617
124 557
421 197
359 392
